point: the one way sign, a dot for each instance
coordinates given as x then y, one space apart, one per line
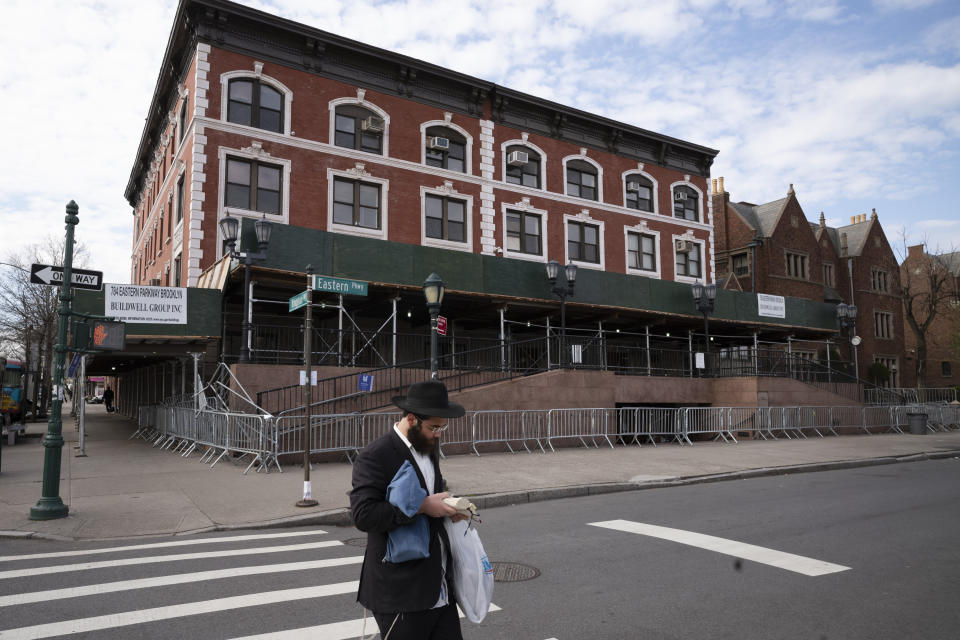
79 278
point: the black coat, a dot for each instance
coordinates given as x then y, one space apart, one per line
387 587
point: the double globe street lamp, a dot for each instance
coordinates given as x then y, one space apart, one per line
230 230
563 291
705 297
433 288
847 317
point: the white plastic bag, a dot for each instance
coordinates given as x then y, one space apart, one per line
472 571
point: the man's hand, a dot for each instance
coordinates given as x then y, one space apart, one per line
435 507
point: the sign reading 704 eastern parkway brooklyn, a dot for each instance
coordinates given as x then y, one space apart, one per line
145 305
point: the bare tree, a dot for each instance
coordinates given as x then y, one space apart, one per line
927 288
28 312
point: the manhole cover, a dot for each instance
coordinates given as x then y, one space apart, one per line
513 572
356 542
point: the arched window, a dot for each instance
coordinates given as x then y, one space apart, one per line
582 180
358 128
445 148
255 104
523 166
685 203
639 192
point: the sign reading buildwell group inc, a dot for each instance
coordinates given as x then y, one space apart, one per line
146 305
771 306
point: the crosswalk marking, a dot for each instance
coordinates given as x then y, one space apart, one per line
164 581
790 562
120 562
161 545
97 623
345 630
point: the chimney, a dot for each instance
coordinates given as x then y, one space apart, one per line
823 221
916 251
714 185
790 191
843 244
873 216
720 184
853 219
863 217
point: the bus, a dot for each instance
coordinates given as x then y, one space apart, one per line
11 402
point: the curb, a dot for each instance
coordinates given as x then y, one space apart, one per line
341 517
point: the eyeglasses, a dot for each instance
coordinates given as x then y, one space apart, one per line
437 429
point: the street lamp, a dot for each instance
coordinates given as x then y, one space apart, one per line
230 229
754 244
562 291
705 297
847 316
433 288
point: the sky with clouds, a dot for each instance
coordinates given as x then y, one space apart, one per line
857 104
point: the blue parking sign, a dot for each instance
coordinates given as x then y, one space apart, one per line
365 383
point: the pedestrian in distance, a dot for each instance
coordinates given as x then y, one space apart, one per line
108 399
410 600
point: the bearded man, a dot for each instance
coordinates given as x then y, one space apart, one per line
410 600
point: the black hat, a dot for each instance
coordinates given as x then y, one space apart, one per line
429 399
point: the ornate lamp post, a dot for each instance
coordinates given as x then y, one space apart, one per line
705 297
230 228
433 288
563 291
847 316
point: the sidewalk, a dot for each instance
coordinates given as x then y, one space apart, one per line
126 488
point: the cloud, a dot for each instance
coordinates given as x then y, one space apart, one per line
944 36
903 5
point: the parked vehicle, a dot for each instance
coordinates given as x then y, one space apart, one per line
11 401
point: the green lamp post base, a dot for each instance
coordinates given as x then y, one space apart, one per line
49 509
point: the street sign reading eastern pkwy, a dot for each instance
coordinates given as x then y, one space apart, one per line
297 301
340 285
79 278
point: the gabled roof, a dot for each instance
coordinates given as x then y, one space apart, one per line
856 236
761 217
951 261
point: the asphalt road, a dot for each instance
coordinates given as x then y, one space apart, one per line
889 532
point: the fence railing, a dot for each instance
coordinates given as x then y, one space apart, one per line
263 440
919 395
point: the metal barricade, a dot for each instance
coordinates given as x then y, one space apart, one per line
875 418
578 424
706 420
785 420
508 426
816 419
847 417
746 419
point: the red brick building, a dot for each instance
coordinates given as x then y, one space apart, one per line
943 334
771 248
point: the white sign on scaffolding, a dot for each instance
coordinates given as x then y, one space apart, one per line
771 306
145 305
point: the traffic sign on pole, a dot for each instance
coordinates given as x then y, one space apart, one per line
79 278
441 326
298 301
339 285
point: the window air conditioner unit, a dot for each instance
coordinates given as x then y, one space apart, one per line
680 195
373 124
518 158
633 186
684 246
436 142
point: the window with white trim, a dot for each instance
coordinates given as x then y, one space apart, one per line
524 232
523 166
445 218
358 128
446 149
254 103
639 192
641 251
686 203
182 126
689 263
253 185
177 268
583 242
582 180
181 199
356 203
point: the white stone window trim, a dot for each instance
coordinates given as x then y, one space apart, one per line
543 163
181 173
655 186
455 127
596 165
359 101
584 217
182 123
358 174
447 190
686 183
225 79
688 236
643 229
524 206
253 152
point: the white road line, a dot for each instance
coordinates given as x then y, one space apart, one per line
788 561
161 545
165 581
123 562
97 623
346 630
